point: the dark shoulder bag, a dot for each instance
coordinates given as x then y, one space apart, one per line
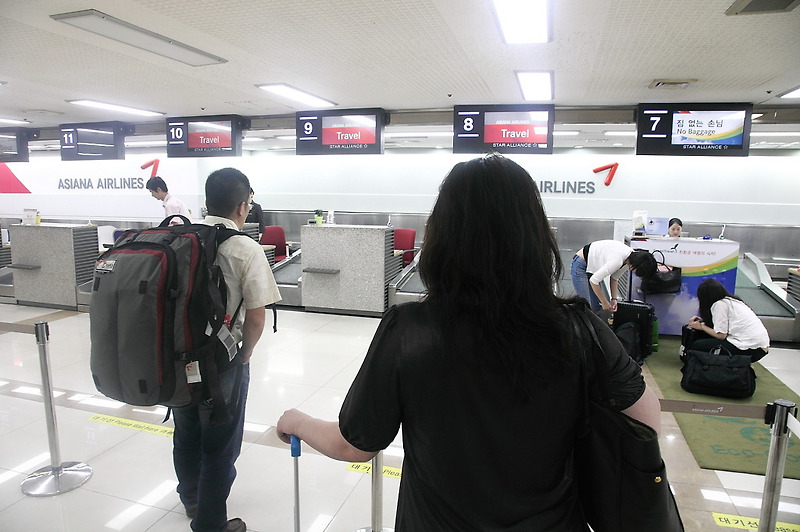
667 279
719 373
621 477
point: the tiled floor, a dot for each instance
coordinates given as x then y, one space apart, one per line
309 364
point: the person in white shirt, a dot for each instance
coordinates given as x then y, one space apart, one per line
601 259
172 205
728 322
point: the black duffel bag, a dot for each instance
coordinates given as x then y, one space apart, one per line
719 373
667 279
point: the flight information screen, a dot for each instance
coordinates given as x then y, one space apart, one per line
340 131
693 129
503 128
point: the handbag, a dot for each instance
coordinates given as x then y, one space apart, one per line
667 279
622 479
719 373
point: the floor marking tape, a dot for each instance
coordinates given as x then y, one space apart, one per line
749 523
134 425
366 468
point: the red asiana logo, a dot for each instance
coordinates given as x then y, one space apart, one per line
612 170
9 183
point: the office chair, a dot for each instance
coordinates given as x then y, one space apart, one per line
404 241
274 236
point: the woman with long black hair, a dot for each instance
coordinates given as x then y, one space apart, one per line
728 322
484 375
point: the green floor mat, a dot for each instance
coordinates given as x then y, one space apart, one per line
724 443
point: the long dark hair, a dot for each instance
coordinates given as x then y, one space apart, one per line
709 292
490 262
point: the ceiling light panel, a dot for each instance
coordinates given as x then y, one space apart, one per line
536 86
114 107
113 28
294 94
523 21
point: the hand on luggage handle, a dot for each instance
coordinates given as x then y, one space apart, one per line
295 441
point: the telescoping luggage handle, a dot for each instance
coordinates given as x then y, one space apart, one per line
295 442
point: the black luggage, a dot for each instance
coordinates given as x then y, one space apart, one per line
719 373
642 315
688 337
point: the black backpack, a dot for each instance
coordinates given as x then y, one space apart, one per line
159 330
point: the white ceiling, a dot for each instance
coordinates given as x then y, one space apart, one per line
415 58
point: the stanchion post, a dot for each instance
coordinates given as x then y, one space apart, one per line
779 413
58 477
377 496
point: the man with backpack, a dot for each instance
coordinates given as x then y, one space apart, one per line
204 452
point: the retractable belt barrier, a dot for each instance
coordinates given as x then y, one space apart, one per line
58 477
781 415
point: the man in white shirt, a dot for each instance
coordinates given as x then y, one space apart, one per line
172 205
204 453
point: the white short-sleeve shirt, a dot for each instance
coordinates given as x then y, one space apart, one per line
740 323
247 274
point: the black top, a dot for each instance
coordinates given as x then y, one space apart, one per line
476 457
256 215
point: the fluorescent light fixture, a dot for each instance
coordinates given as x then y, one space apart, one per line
536 86
418 134
113 28
756 115
286 137
619 133
565 133
291 93
794 93
113 107
523 21
13 121
775 133
253 139
145 143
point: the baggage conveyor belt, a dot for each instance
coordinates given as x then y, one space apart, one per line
288 275
407 286
778 310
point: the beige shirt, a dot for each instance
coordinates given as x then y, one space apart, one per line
247 274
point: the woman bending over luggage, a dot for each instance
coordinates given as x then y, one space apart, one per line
484 375
729 322
603 259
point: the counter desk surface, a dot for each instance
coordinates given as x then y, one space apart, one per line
698 260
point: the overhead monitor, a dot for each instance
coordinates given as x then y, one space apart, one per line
14 144
517 128
205 136
717 129
336 131
93 141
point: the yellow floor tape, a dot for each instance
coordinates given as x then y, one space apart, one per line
134 425
749 523
366 468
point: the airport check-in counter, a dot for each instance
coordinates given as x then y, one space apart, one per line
347 268
698 259
53 264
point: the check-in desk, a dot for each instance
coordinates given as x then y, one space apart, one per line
698 259
50 261
347 268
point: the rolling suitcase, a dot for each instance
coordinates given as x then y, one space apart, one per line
642 315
